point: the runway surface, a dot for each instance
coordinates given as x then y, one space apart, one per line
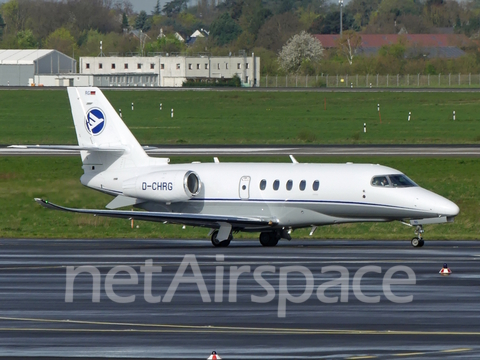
442 321
332 150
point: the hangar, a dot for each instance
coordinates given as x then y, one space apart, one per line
20 67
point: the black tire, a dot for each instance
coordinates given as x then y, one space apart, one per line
268 239
223 243
421 243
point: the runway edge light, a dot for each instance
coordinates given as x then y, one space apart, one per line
214 356
445 270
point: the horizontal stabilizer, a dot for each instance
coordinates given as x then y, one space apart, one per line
121 201
205 220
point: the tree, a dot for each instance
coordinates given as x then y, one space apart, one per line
277 30
156 9
300 49
174 7
26 40
61 40
348 44
224 30
2 25
142 22
125 21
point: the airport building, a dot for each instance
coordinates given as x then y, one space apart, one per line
165 70
26 67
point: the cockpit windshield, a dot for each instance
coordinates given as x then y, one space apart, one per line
397 180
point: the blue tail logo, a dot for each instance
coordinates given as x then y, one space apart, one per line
95 122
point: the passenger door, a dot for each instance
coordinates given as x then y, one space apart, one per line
244 188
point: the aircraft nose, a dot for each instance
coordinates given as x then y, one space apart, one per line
446 207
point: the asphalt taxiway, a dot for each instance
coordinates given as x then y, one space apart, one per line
442 320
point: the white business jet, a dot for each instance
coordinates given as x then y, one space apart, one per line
270 198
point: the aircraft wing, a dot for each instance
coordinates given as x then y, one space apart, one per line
204 220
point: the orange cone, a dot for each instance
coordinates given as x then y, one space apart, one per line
445 270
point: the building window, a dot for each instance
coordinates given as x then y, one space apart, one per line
189 66
226 66
100 66
246 79
152 66
162 66
247 66
206 66
178 66
113 66
218 66
139 66
87 66
239 66
316 185
125 66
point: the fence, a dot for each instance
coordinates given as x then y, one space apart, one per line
373 81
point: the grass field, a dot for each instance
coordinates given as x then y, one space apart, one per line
250 117
57 179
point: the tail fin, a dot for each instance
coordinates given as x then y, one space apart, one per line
98 127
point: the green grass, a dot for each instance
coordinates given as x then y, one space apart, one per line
241 117
57 179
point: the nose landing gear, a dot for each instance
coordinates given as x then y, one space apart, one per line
418 240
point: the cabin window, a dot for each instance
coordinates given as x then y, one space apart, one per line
302 185
263 184
289 185
316 185
276 185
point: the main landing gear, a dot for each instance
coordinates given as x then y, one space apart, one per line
269 238
218 243
417 241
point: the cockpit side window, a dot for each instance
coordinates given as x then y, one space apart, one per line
380 181
396 181
401 181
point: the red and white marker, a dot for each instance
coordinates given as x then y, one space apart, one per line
445 270
214 356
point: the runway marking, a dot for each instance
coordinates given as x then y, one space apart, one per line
229 329
456 350
361 357
410 354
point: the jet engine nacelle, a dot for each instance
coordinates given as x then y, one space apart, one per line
164 186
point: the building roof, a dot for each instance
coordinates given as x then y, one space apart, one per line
23 57
378 40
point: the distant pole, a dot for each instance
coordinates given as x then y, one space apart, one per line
409 115
132 106
364 127
454 115
341 17
325 103
120 112
171 114
160 106
378 107
379 114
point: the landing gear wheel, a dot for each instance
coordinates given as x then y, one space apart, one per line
269 238
218 243
416 242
